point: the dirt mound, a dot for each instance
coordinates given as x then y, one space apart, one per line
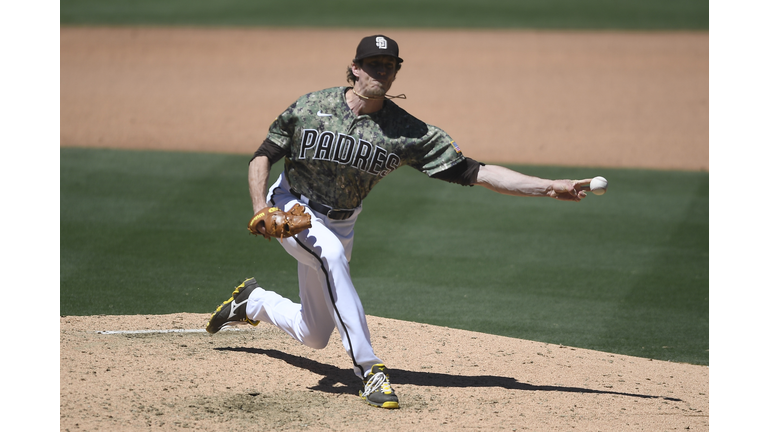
142 376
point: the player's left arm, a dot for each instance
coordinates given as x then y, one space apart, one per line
508 182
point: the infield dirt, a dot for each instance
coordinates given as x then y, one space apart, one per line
261 379
559 98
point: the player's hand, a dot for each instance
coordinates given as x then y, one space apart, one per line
568 190
261 230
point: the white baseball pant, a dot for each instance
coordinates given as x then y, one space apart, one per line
328 297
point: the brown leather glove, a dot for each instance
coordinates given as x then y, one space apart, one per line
273 222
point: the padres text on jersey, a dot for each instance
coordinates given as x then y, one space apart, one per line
336 158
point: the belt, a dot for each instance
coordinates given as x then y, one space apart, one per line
325 210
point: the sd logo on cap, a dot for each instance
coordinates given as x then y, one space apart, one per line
377 45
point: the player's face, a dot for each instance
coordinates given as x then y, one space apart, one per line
376 75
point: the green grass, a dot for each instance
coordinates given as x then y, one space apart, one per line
626 272
563 14
155 232
158 232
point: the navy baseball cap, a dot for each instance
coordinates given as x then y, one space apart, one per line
377 45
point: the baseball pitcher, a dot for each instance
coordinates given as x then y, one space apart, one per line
338 143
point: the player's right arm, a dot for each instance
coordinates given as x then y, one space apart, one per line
258 181
270 151
280 131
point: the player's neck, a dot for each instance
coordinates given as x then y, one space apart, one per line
361 104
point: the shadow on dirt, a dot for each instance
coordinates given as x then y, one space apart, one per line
336 380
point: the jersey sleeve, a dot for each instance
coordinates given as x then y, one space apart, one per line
463 173
282 129
438 152
272 151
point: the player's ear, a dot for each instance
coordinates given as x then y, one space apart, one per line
355 69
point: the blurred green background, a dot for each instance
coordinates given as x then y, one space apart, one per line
545 14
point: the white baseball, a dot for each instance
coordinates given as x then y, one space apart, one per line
598 185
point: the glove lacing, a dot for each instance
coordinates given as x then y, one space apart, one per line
378 380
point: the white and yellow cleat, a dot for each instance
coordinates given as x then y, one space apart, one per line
376 389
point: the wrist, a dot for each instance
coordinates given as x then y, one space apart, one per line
259 205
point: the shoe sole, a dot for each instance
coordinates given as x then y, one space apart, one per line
387 405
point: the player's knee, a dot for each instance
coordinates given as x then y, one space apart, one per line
334 255
317 342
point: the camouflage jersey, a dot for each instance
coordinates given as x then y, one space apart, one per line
336 158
